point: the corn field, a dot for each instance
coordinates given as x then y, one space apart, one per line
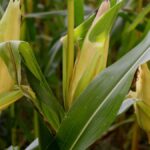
74 75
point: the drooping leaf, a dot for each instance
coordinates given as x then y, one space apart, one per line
96 108
49 104
45 101
9 98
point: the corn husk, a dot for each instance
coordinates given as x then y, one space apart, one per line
143 84
142 107
10 22
91 60
9 30
6 82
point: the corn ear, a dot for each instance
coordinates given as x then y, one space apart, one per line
10 22
142 107
142 112
6 81
143 84
9 30
79 34
90 57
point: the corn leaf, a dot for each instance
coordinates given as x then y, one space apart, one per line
139 18
49 104
96 108
46 102
79 11
10 71
81 31
9 98
10 55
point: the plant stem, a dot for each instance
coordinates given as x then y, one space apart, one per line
36 128
13 130
70 42
140 5
135 137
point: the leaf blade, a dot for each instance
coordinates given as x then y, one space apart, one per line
89 110
79 11
48 103
9 98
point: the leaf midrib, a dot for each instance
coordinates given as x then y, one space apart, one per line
94 114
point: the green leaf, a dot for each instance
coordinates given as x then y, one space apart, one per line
52 110
96 108
10 54
139 18
44 135
48 103
113 2
45 102
9 98
81 31
79 11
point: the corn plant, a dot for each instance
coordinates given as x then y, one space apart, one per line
92 92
